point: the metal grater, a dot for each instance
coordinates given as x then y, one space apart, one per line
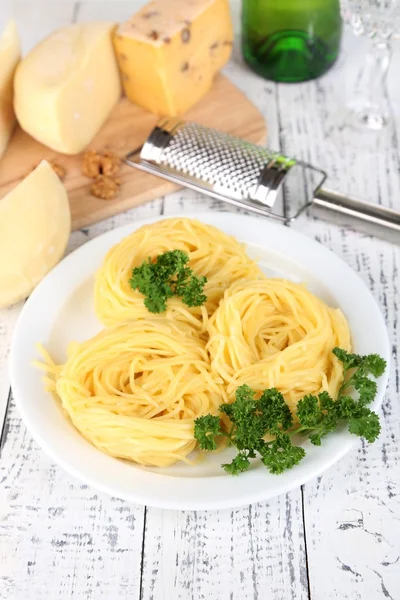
251 177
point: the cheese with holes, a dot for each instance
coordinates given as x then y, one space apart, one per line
9 58
169 52
35 224
66 87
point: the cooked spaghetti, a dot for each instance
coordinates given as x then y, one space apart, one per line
274 333
134 390
212 253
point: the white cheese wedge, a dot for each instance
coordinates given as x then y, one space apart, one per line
9 59
35 224
66 87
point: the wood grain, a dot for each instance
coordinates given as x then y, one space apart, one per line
246 554
337 537
69 540
352 520
126 129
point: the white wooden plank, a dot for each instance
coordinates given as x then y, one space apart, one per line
247 554
353 511
8 318
352 522
59 538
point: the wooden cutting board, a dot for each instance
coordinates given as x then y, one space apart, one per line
225 108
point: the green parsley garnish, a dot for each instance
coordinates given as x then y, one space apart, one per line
166 276
252 420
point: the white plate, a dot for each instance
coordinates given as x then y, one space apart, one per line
61 310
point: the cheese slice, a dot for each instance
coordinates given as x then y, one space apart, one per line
9 59
66 87
169 52
35 224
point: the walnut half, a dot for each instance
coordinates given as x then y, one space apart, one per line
91 164
95 164
105 187
110 163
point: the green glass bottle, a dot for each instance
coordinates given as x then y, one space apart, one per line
291 40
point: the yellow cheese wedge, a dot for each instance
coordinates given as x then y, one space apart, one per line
35 224
66 87
9 58
170 51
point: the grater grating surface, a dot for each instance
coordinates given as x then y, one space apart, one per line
226 163
217 162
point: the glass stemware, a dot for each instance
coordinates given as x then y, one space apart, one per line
378 20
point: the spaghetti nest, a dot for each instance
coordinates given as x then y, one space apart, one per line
134 390
212 253
274 333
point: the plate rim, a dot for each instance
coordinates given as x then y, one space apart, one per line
297 477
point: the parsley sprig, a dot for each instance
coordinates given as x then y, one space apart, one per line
251 420
166 276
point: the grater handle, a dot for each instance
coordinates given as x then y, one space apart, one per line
373 219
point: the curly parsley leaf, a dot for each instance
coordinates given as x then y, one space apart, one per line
349 361
365 423
356 371
254 421
281 454
238 465
206 429
275 413
317 416
166 276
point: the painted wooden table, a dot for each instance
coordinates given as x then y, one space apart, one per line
337 537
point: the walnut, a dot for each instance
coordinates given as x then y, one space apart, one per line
110 163
95 164
91 165
105 187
